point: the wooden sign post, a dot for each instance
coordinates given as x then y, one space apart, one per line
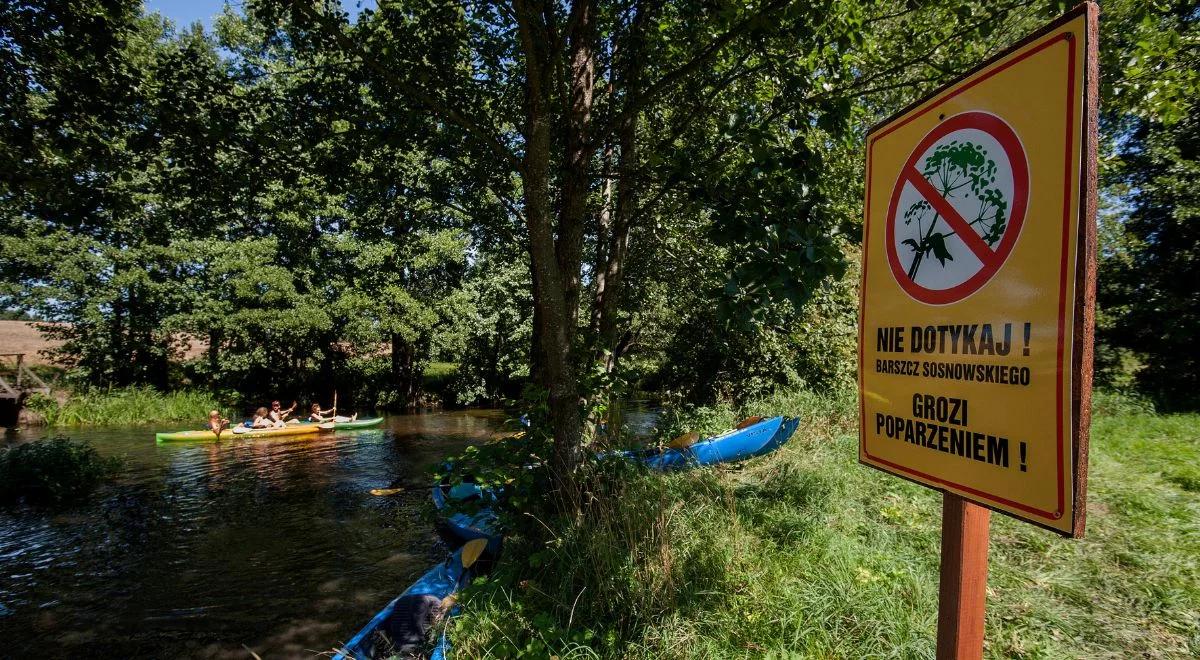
962 592
978 296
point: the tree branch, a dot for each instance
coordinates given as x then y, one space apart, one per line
673 78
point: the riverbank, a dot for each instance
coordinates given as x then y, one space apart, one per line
134 405
807 552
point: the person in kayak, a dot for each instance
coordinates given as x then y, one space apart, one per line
315 414
280 416
216 423
263 420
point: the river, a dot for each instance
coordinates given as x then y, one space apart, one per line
206 550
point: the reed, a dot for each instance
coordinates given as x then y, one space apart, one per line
125 406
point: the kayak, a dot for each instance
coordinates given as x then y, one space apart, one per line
400 628
349 424
458 528
240 432
756 439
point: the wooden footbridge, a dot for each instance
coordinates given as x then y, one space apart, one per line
19 379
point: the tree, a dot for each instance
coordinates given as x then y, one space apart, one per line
559 96
1153 280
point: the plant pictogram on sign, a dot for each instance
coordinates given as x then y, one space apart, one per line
960 170
957 208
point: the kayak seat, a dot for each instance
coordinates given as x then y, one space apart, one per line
684 441
406 631
749 421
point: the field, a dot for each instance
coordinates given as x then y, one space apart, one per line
805 553
22 337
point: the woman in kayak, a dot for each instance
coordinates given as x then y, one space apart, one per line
280 416
315 414
262 419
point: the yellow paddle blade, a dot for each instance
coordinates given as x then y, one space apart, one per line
684 441
749 421
471 551
386 491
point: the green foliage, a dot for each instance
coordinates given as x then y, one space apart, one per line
1148 300
125 406
806 552
52 471
495 326
708 361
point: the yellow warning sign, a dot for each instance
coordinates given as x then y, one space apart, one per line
978 282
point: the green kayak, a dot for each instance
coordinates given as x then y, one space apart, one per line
364 423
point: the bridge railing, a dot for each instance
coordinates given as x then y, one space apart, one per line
22 379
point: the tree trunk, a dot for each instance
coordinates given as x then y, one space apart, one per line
404 372
214 355
608 301
555 264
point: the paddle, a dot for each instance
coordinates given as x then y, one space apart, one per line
472 550
384 492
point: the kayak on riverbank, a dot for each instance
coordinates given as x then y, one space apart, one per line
402 619
401 628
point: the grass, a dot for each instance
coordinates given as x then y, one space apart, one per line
806 553
125 406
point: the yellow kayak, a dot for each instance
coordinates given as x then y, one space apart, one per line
242 432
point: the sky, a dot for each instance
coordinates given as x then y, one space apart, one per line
185 12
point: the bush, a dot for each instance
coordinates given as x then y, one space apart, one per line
52 471
648 552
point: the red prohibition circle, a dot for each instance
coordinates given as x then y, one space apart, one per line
992 260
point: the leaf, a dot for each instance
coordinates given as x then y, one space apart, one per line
911 243
937 242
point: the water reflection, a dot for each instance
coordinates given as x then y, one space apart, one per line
202 548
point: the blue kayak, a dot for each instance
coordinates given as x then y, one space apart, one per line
395 625
760 438
756 439
458 528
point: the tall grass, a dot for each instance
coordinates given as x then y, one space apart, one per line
125 406
807 553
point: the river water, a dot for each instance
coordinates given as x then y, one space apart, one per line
207 550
